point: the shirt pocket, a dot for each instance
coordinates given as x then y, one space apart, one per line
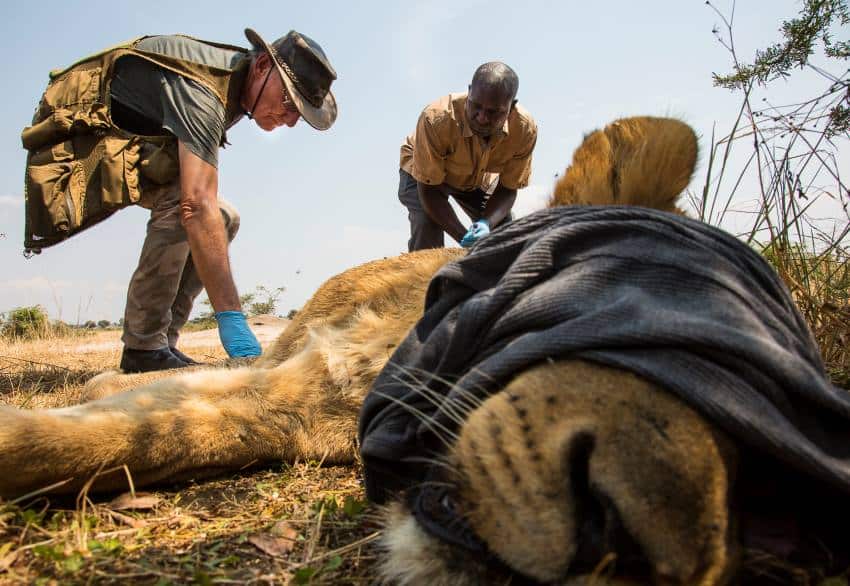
498 159
459 162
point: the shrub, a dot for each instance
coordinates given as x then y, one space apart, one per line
26 322
267 305
262 301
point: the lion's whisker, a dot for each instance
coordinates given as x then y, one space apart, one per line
439 483
434 426
432 461
455 409
434 397
474 401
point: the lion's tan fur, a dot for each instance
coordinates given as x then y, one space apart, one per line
604 432
562 434
525 466
634 161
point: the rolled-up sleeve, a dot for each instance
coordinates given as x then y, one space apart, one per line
517 171
429 151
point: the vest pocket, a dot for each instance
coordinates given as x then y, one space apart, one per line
61 124
56 184
78 86
159 162
53 129
119 173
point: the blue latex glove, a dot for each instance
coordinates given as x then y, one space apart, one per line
476 232
236 337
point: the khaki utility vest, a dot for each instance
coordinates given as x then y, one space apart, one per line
81 168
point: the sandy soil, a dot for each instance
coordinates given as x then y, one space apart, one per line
265 327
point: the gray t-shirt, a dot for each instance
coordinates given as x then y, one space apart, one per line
164 100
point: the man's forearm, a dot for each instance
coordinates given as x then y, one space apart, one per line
499 205
201 218
436 205
208 244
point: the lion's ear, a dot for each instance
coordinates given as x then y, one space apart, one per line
588 180
640 161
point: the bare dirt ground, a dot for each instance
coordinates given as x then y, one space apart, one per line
299 523
265 327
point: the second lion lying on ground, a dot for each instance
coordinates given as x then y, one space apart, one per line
537 472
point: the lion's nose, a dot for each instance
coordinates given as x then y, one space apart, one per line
520 489
574 463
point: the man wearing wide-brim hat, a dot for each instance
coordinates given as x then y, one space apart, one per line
145 121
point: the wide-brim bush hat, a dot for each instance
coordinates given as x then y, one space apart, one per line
306 73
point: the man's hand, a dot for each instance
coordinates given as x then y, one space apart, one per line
476 232
236 337
499 205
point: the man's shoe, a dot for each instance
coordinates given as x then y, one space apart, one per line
182 356
148 360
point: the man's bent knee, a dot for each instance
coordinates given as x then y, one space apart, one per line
231 218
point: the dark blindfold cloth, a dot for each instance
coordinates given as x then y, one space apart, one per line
679 302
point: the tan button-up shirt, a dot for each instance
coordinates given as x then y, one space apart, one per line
443 148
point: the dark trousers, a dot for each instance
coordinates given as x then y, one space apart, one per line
425 232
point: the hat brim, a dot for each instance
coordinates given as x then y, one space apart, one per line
319 118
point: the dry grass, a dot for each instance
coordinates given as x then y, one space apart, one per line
300 523
49 372
820 286
779 176
293 524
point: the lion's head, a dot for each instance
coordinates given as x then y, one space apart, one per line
570 468
574 470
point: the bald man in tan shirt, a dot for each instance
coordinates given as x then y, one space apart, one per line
475 147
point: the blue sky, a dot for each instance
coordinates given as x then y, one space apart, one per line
313 203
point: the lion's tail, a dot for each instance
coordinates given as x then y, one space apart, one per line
642 161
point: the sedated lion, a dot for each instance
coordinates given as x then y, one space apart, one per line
571 461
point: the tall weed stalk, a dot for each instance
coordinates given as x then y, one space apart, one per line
787 161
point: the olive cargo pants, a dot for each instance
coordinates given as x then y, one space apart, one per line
165 283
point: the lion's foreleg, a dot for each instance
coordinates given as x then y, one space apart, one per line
194 423
320 412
